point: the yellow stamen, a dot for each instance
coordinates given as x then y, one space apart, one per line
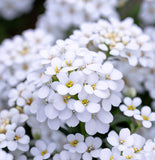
107 77
74 143
25 67
145 118
128 157
90 148
43 152
121 141
131 107
69 63
29 101
69 84
66 98
19 109
111 158
94 86
24 51
136 150
85 102
57 70
17 138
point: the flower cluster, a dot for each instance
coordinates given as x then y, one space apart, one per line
121 39
73 13
130 109
12 132
19 56
128 146
75 85
83 98
10 9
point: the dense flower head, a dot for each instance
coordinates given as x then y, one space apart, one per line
76 85
69 11
19 56
91 96
10 9
121 39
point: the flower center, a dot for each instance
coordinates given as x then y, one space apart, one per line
94 116
24 51
107 77
29 101
90 148
69 84
131 107
17 138
69 63
85 102
94 86
121 141
111 158
66 98
136 150
43 152
57 70
128 157
74 143
145 118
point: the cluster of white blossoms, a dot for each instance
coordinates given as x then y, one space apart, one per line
147 12
69 100
128 146
12 133
10 9
121 39
19 56
129 108
72 13
74 86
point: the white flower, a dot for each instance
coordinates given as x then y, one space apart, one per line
121 141
76 143
71 84
88 102
95 86
96 122
17 140
93 148
146 116
42 150
55 68
129 106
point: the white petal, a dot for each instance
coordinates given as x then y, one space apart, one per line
78 106
43 92
62 89
93 107
88 89
90 127
147 124
50 111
